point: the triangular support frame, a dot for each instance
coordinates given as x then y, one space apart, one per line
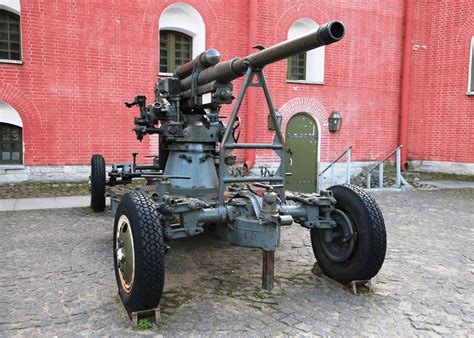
227 143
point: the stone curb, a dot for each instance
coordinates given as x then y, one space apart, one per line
16 204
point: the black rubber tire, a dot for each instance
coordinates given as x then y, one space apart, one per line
97 183
369 235
149 250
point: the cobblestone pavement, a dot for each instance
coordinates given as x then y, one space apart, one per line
57 278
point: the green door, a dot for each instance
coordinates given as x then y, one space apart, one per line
302 153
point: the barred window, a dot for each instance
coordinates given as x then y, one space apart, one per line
10 47
175 50
297 67
11 144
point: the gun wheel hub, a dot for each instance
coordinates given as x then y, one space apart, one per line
338 243
125 253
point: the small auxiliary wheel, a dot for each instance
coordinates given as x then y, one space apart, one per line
139 252
97 180
355 248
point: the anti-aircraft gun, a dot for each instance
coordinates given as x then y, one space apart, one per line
191 188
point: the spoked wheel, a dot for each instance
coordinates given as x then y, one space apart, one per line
355 248
139 252
97 179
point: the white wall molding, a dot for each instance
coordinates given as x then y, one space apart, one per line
11 6
9 115
315 57
186 19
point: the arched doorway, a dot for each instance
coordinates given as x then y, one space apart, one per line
302 141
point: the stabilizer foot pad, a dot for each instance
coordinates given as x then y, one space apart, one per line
353 287
153 314
359 285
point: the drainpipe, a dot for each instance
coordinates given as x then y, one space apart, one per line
405 90
251 91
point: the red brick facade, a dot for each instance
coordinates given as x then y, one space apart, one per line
83 59
441 114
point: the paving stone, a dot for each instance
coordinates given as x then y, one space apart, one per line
303 327
57 278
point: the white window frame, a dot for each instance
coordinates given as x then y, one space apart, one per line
13 6
9 115
315 58
184 18
470 83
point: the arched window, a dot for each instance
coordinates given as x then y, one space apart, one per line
175 50
10 45
12 145
11 140
309 66
182 36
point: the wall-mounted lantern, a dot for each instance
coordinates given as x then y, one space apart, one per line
334 121
270 122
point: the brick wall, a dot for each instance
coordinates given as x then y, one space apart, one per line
362 73
441 114
83 59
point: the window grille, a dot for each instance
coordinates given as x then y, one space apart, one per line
175 50
10 46
11 151
297 67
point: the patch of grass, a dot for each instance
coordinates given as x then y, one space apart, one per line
136 183
144 324
230 293
44 189
300 277
117 300
415 178
32 189
218 289
262 294
225 289
173 299
434 176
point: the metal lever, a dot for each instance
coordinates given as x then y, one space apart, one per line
290 153
165 177
269 187
139 100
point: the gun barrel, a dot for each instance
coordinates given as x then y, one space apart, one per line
323 35
207 59
229 70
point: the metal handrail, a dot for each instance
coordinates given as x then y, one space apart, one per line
398 179
346 152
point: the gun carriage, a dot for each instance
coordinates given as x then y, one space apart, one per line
190 185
